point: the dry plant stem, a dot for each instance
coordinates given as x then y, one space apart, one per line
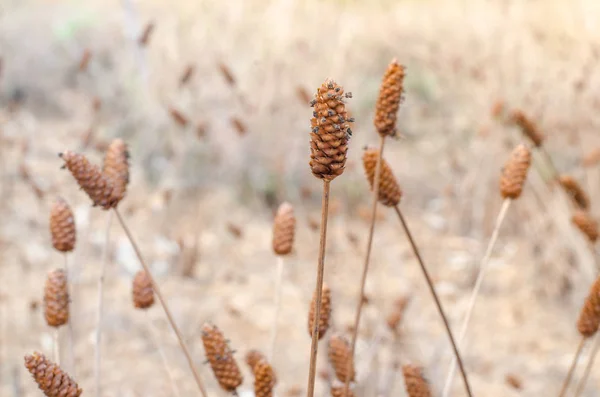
56 346
278 286
436 299
553 168
588 367
478 282
567 380
319 288
70 323
163 357
363 280
164 305
100 308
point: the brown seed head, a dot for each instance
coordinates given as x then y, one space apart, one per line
253 357
324 314
589 317
515 172
339 357
143 294
340 391
528 127
390 97
586 224
591 158
56 298
416 385
89 177
221 359
62 226
330 131
51 379
284 228
389 190
575 191
264 379
116 167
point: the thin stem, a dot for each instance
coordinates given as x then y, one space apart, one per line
161 352
278 287
363 280
476 289
100 307
70 323
436 299
588 367
164 305
56 346
314 347
567 380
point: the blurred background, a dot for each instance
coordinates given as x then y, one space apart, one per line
212 98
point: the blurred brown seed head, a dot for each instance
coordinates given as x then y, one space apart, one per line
284 227
84 60
389 190
178 117
221 359
146 34
514 173
592 158
51 379
227 74
390 97
253 357
303 95
142 291
416 385
340 391
89 177
514 381
264 379
62 226
56 298
586 224
239 126
528 127
589 317
340 357
325 314
187 74
575 191
116 167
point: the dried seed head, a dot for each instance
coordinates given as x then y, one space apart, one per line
416 385
253 357
515 172
264 379
389 190
116 167
143 294
592 158
589 317
575 191
62 226
328 144
56 298
324 314
339 357
528 127
51 379
340 391
284 228
221 359
390 97
586 224
89 177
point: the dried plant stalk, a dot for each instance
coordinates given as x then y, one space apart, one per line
341 358
89 177
528 127
56 298
586 224
142 292
284 228
220 357
515 172
116 167
390 97
569 376
51 379
389 189
575 191
62 226
588 367
324 315
416 385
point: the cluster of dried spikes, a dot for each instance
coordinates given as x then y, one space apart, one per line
389 189
416 384
389 100
264 374
142 291
116 167
221 359
51 379
515 172
589 317
56 298
325 314
341 359
62 226
284 228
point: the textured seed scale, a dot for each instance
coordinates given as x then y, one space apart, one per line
589 317
56 298
89 177
339 357
416 385
51 379
143 294
62 226
340 391
389 190
264 379
116 167
575 191
528 128
284 228
389 100
330 132
221 359
514 173
325 313
586 224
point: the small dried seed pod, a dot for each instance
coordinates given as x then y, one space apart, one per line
389 190
528 127
220 357
89 177
253 357
589 317
284 228
116 167
575 191
62 226
264 379
340 391
56 298
390 97
51 379
324 314
143 294
339 357
586 224
515 172
416 385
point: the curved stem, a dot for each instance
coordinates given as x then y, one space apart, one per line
100 307
161 352
588 367
569 376
278 284
70 323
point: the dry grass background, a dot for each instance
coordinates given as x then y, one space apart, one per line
202 195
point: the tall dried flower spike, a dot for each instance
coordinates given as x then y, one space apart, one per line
416 385
330 131
56 298
339 356
89 177
589 317
143 294
253 357
116 167
586 224
528 127
389 190
339 391
284 228
220 357
62 226
325 312
51 379
515 172
390 97
264 379
575 191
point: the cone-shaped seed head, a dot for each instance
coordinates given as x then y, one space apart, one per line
62 226
116 167
324 314
586 224
589 317
340 391
253 357
52 380
575 191
515 172
416 385
528 128
330 132
390 97
143 294
389 190
89 177
264 378
339 357
284 228
56 298
220 357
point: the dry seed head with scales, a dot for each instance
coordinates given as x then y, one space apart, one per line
575 191
98 186
62 226
325 313
51 379
116 167
221 359
515 172
284 228
586 224
389 100
339 357
340 391
142 292
589 317
264 378
416 384
389 189
528 127
56 298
